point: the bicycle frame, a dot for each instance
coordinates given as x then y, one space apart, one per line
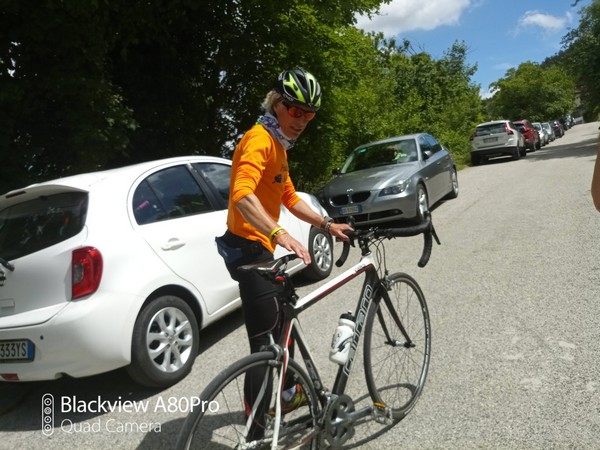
374 288
331 414
292 330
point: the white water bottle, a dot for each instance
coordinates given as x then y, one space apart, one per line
340 344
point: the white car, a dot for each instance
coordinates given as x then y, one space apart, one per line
496 138
120 268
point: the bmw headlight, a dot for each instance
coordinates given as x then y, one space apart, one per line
394 190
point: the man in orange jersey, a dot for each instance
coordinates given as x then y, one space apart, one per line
260 184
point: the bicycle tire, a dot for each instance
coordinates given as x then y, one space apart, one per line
224 428
395 374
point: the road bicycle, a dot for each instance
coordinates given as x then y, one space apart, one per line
391 313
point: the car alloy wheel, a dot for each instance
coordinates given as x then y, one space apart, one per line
321 255
164 343
453 183
422 203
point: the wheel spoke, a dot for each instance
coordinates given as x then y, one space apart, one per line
233 390
396 373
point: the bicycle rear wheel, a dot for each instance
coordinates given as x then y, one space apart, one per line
221 420
397 346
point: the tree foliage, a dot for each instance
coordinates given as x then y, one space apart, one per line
582 57
92 84
532 92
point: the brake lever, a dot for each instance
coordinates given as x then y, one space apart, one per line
435 236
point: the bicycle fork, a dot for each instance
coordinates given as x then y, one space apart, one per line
408 343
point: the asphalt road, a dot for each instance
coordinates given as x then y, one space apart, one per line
513 294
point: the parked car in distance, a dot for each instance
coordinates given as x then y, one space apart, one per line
544 137
549 131
532 137
496 138
119 268
391 179
558 128
567 121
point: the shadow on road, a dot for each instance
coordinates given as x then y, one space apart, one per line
583 149
364 431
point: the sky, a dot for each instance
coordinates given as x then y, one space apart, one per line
499 34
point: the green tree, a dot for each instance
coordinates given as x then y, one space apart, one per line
532 92
59 109
438 96
87 84
582 57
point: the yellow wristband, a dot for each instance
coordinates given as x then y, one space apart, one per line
274 232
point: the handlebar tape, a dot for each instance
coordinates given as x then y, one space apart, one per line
344 256
427 245
425 227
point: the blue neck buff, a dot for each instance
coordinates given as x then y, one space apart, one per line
271 124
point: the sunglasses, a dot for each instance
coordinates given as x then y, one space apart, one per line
296 112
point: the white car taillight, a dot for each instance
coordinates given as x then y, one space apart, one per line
86 271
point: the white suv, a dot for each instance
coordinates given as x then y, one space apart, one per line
496 138
120 268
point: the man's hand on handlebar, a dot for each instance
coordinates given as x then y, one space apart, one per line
337 230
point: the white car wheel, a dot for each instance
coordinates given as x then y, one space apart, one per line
321 254
164 343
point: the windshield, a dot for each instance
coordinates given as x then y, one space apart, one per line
36 224
382 154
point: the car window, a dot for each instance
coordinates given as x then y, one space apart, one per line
424 144
492 128
434 145
381 154
218 175
406 151
39 223
169 194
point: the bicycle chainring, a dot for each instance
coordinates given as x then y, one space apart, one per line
338 426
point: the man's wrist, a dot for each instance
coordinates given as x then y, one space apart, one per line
326 223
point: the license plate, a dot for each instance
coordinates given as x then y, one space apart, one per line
490 139
22 350
350 209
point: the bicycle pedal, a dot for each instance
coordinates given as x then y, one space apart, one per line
382 413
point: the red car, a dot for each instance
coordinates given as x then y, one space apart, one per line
531 135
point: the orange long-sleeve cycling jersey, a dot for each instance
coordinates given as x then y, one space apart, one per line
259 167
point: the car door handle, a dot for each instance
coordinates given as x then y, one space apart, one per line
172 244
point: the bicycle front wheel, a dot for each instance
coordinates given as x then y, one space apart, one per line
397 346
224 419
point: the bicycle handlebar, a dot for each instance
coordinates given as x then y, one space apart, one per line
425 228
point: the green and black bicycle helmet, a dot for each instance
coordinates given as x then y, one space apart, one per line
299 88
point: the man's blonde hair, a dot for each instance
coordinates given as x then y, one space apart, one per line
272 98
